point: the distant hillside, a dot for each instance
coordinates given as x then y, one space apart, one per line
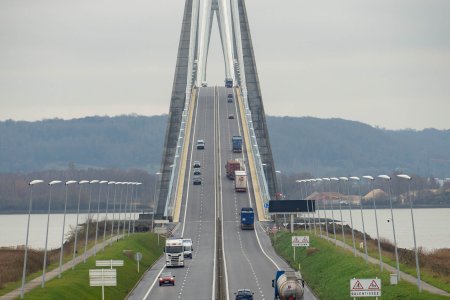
323 147
98 142
328 147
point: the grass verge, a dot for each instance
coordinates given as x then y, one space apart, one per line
74 284
328 269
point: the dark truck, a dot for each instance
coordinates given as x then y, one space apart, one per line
231 166
236 140
247 218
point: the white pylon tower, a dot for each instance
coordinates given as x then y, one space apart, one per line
206 10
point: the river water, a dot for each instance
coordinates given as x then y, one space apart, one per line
13 228
431 224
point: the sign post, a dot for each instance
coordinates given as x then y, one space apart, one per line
300 241
365 288
103 277
138 257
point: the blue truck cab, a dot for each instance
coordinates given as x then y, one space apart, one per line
236 141
247 218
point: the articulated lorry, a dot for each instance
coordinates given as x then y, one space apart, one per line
174 252
236 141
247 218
288 285
232 166
240 181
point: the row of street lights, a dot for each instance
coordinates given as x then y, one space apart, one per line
80 183
345 181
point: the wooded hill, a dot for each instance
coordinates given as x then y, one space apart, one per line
323 147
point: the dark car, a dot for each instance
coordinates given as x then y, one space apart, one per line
196 164
166 278
197 181
244 294
197 172
230 116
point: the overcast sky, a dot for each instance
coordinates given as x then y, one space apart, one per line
382 62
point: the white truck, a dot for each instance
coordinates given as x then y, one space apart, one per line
187 248
240 181
174 252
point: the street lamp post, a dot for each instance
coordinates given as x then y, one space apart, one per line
63 228
307 204
332 209
318 208
280 180
98 215
404 176
125 210
370 178
106 215
324 208
89 217
311 184
154 199
350 210
135 205
342 220
362 216
388 179
114 210
131 207
120 208
51 183
22 291
76 226
301 196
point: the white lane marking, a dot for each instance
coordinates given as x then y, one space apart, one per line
190 163
153 284
215 216
221 203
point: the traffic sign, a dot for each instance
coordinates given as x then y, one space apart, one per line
161 221
300 241
365 287
138 256
266 204
160 230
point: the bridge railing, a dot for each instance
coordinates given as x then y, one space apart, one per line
259 167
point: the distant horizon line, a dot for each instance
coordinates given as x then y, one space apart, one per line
274 116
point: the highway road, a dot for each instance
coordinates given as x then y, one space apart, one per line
250 261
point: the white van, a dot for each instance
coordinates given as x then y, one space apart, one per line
187 248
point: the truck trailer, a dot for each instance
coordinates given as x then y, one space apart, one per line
232 166
288 285
240 181
247 218
236 142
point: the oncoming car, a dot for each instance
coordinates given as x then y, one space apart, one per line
230 116
197 172
166 278
196 164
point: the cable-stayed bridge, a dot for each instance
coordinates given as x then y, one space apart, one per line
225 258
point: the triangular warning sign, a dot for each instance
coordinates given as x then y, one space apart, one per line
373 286
357 286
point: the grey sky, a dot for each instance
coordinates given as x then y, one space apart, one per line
383 62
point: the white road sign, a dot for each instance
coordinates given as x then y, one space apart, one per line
365 287
300 241
160 230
